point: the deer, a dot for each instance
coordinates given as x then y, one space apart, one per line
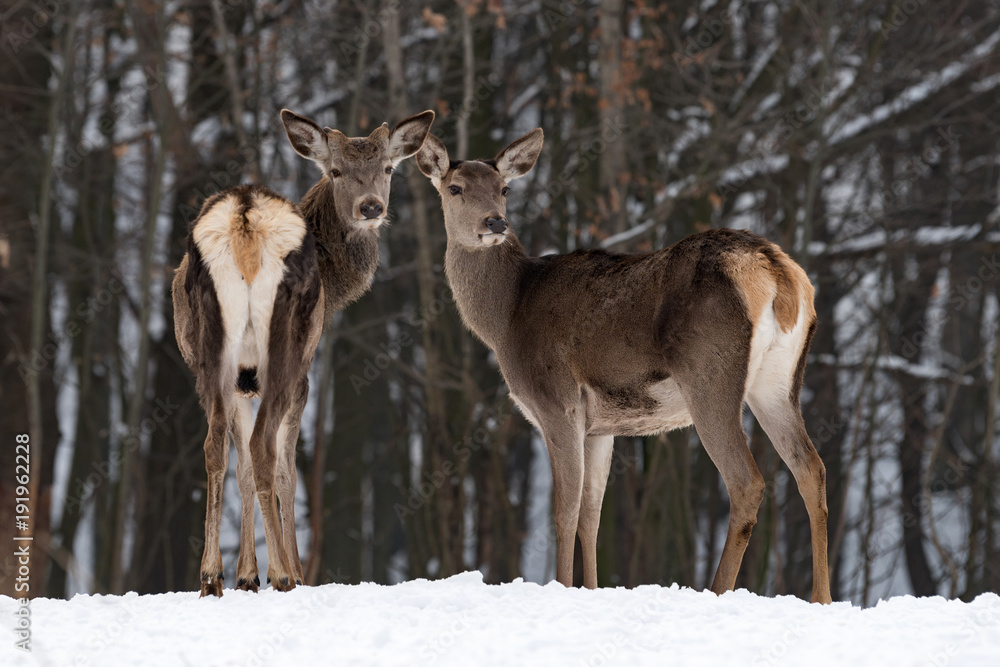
594 344
260 280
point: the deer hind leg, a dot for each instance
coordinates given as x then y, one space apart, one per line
715 401
263 454
288 476
241 425
564 440
216 462
782 421
597 450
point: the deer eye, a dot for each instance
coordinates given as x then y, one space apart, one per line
388 170
455 190
335 173
505 191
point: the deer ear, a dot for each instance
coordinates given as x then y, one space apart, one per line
408 136
306 138
517 159
433 159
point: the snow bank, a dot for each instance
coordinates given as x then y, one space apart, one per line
461 621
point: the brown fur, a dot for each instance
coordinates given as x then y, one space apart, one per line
594 344
356 171
246 250
769 278
793 288
251 216
348 258
327 260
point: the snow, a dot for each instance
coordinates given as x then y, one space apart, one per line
930 84
461 621
919 236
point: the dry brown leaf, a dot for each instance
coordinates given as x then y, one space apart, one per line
435 20
715 200
471 7
495 7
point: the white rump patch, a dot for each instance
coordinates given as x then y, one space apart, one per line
774 356
246 309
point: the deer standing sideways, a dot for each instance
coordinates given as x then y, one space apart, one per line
258 282
594 344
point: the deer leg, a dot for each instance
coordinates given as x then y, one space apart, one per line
782 421
565 445
597 451
241 425
216 461
715 402
264 458
288 477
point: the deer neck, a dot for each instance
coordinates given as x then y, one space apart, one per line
487 285
348 257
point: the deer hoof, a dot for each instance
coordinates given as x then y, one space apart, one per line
248 584
211 584
283 584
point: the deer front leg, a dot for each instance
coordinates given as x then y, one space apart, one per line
241 425
597 451
263 455
216 461
565 445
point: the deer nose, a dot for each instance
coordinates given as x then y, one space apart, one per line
371 210
496 225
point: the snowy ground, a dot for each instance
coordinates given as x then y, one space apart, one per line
461 621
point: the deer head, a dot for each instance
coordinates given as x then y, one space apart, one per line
359 168
474 192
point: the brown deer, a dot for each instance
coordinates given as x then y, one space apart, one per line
260 279
594 344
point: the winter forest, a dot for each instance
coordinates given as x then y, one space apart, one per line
863 136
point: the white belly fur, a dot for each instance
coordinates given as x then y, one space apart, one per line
773 359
